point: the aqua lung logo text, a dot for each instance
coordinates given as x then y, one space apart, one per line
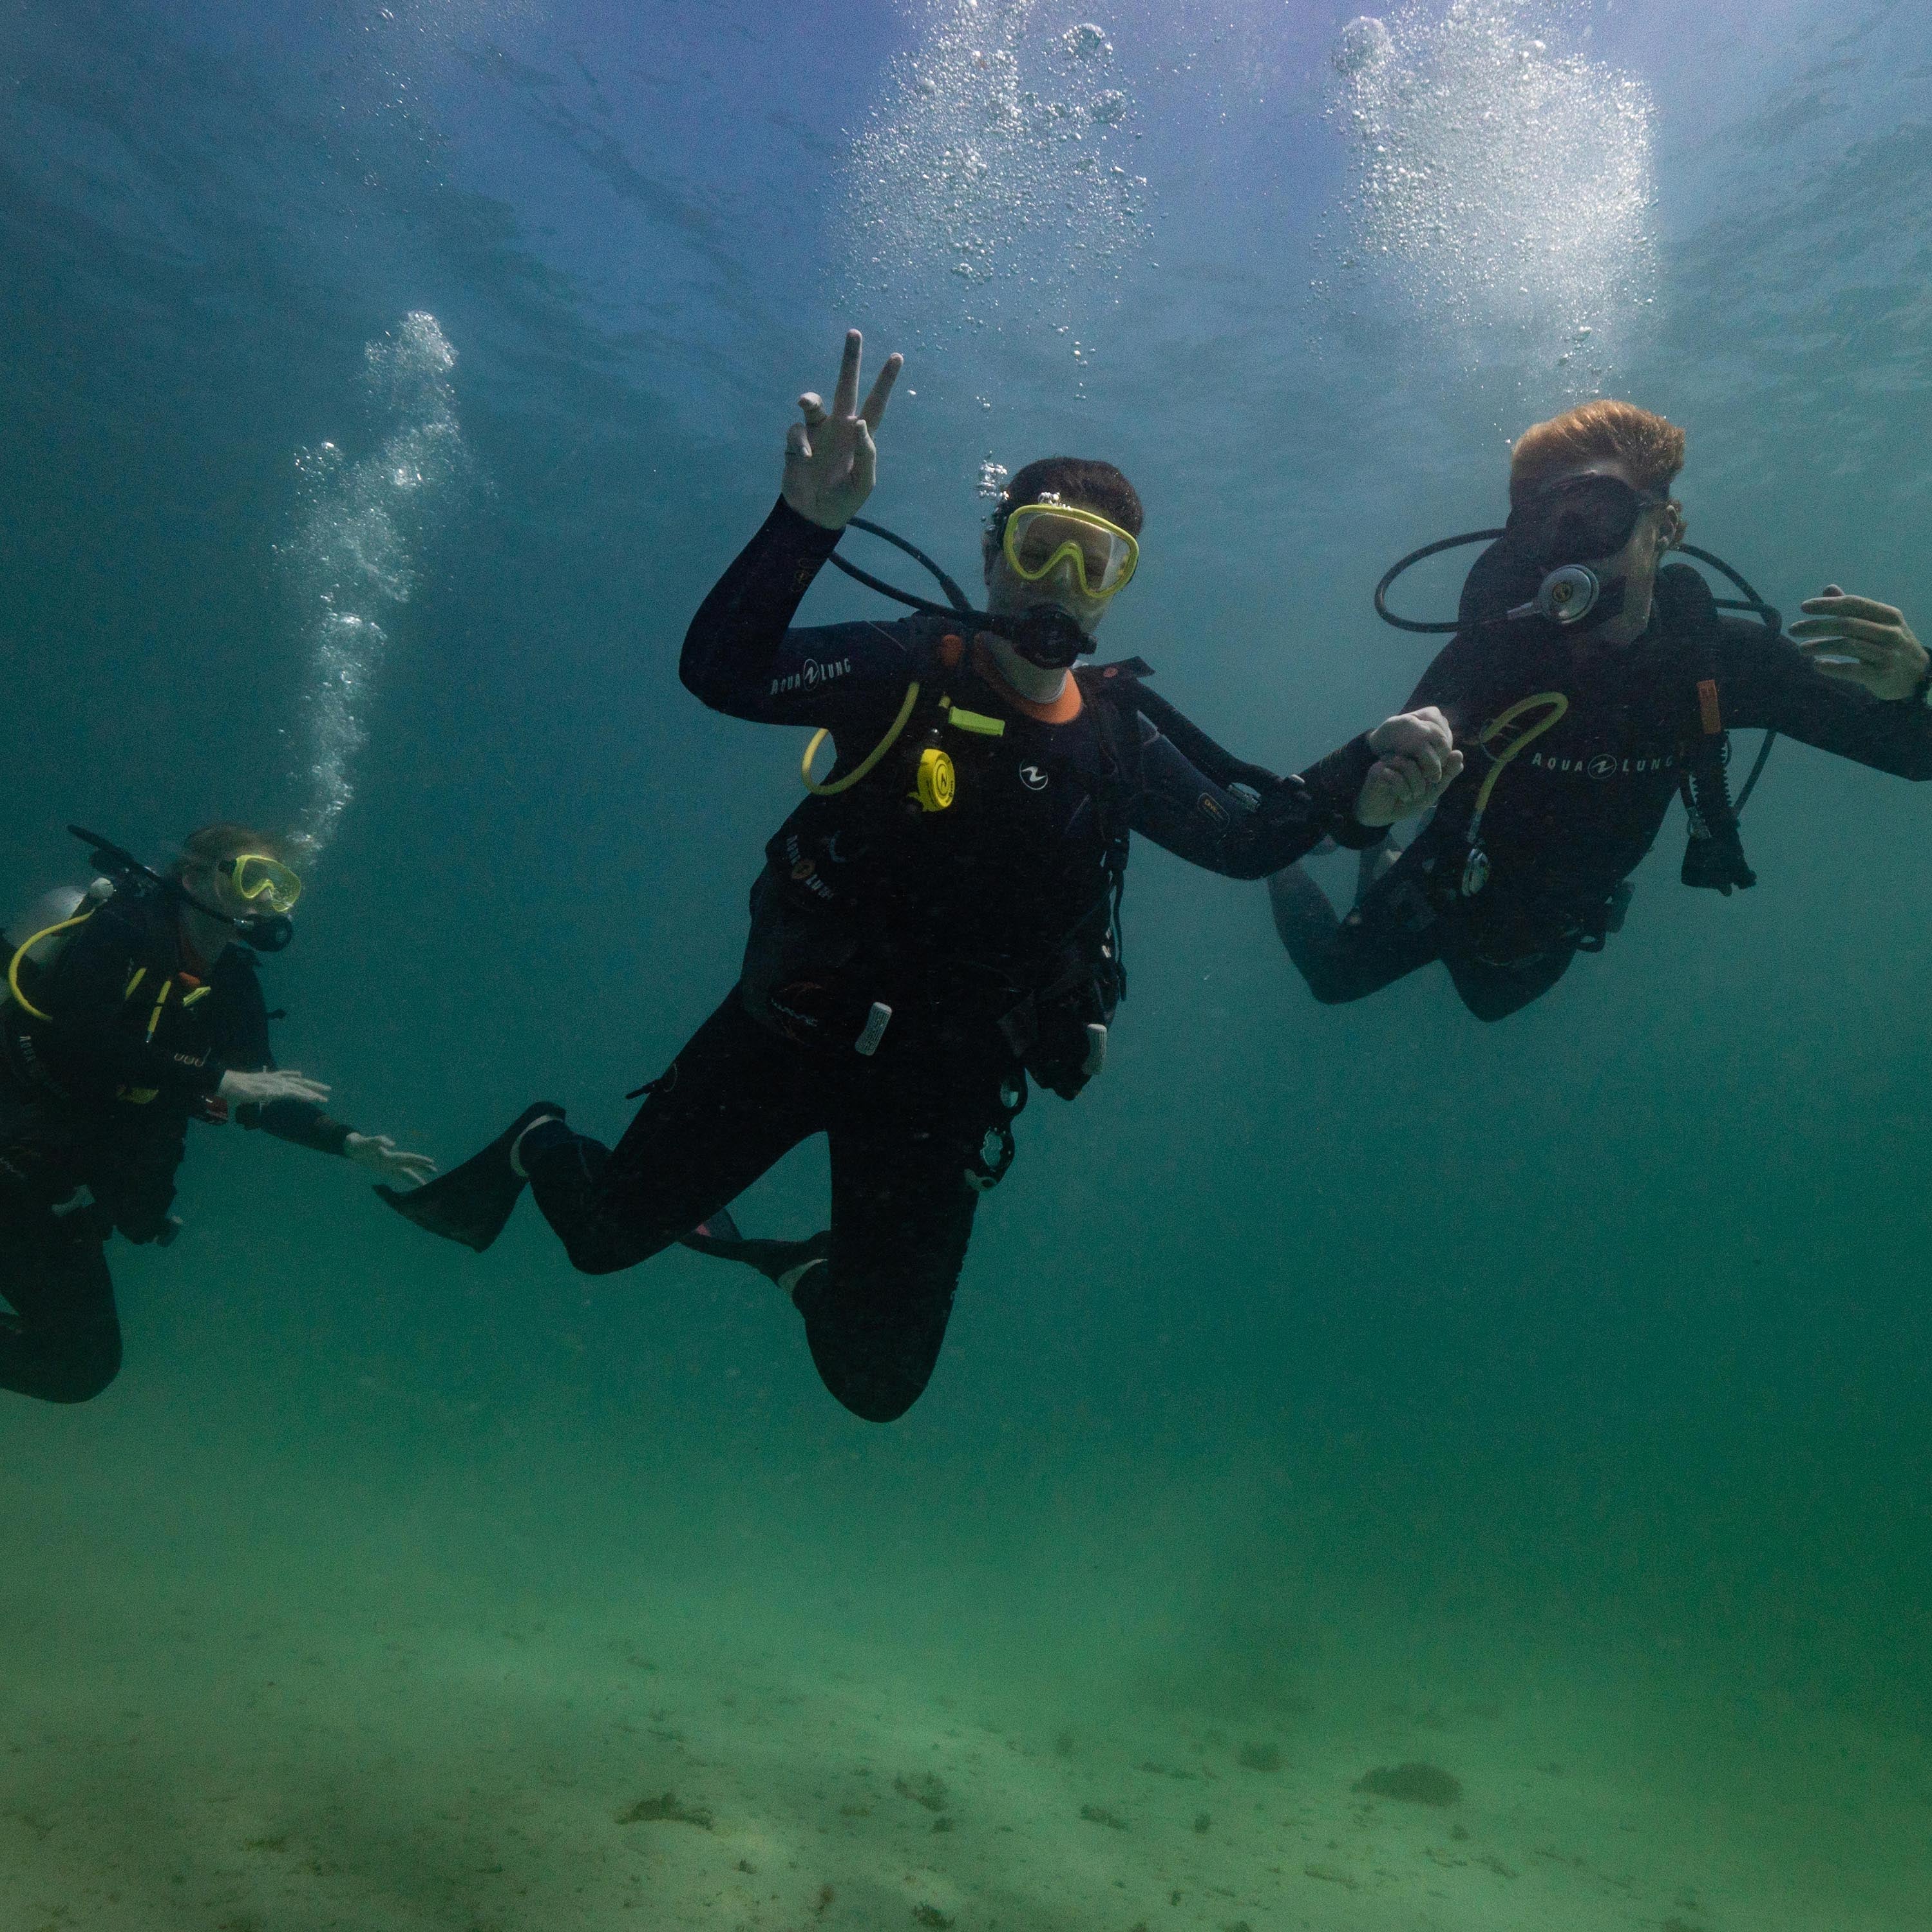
810 673
1605 764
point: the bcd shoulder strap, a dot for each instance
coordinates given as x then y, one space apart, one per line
1121 692
1113 693
1714 856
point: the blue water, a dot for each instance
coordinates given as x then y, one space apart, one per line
1328 1389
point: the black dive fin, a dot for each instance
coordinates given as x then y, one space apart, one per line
471 1204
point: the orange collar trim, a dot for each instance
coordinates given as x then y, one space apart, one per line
1064 709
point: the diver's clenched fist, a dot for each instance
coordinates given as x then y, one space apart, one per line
1416 761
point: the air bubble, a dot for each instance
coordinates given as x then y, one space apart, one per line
363 527
1363 45
989 159
1504 187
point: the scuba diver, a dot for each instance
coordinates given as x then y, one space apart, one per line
1589 683
131 1009
937 921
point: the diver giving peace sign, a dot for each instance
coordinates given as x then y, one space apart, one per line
936 925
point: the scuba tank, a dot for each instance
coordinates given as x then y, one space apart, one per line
53 908
45 926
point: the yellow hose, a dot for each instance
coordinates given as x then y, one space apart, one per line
1557 704
877 751
21 952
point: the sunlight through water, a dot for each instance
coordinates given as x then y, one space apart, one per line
1502 187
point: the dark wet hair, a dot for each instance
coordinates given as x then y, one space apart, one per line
1083 480
212 844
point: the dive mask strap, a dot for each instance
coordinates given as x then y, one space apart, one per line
1046 636
269 932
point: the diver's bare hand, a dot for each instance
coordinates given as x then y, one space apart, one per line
258 1087
1417 762
381 1155
1884 657
831 461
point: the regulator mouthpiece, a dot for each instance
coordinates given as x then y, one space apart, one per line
1046 636
1568 596
267 932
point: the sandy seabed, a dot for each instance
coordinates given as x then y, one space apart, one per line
258 1751
270 1672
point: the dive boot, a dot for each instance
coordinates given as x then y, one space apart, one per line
471 1204
784 1264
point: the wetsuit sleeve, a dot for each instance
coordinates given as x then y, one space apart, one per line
85 995
301 1123
1767 684
246 1047
1446 685
1185 812
740 658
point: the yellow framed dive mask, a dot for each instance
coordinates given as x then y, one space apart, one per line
1038 536
254 875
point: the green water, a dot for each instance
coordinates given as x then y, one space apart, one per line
1328 1389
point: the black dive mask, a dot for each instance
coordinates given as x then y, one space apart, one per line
264 932
1551 532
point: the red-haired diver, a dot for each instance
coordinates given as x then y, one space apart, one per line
1590 683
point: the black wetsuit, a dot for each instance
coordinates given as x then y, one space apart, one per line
94 1102
1572 814
987 929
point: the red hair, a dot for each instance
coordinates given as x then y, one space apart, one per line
1650 448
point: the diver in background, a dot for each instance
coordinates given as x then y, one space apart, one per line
936 923
1589 687
130 1011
